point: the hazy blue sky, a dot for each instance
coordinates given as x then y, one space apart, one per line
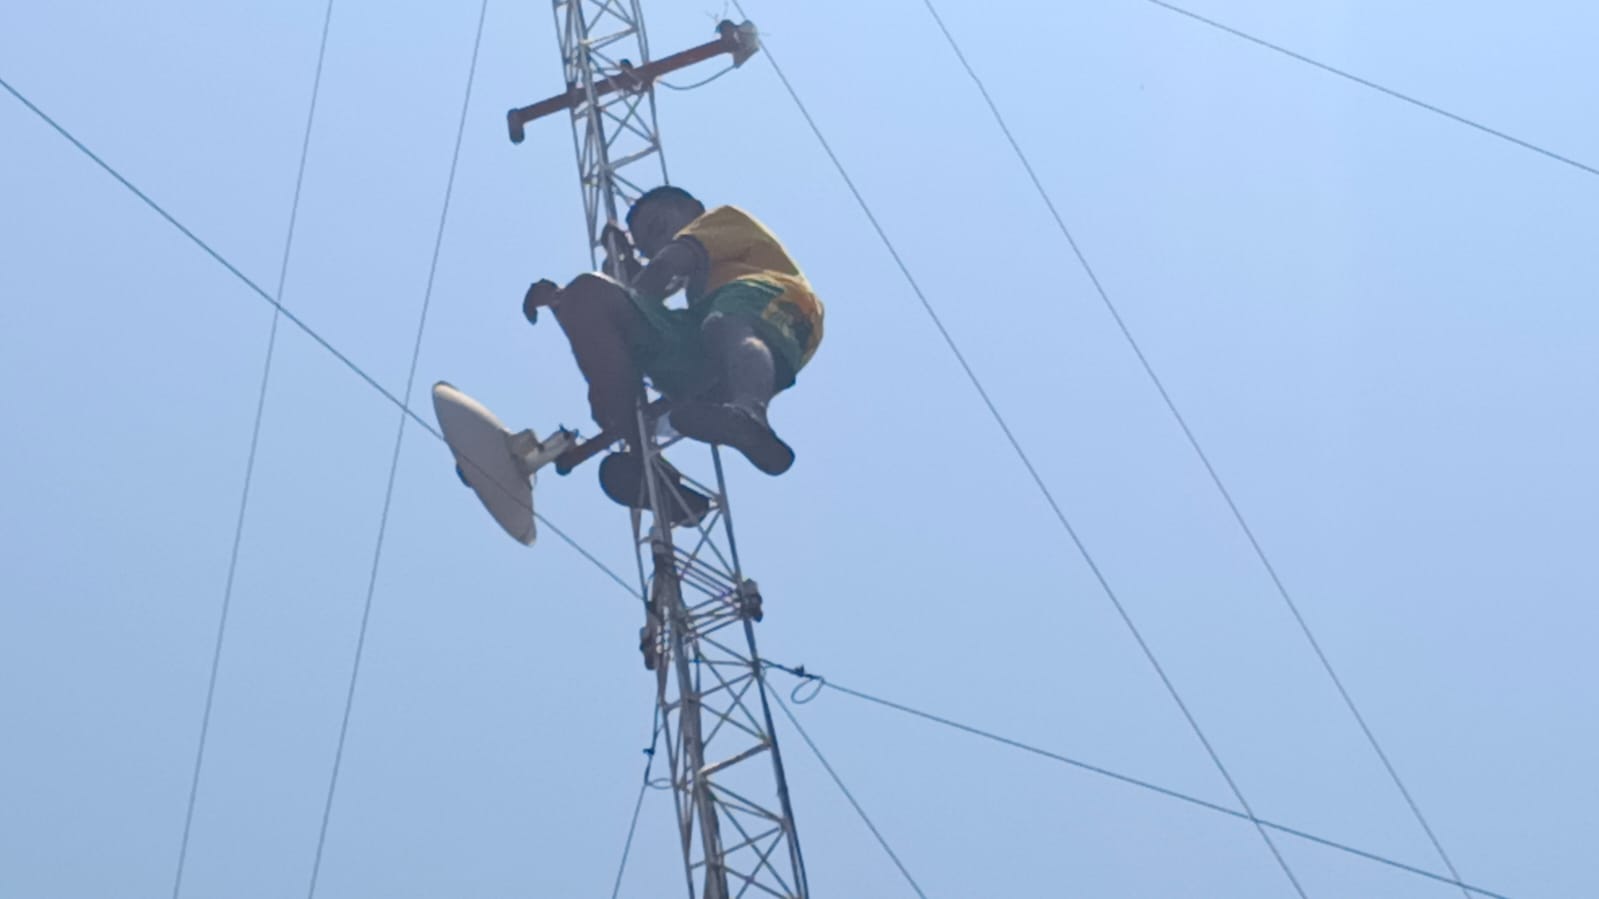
1381 324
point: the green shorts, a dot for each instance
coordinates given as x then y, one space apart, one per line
673 354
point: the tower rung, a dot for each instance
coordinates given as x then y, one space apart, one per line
749 753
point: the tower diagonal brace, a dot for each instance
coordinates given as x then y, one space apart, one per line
735 818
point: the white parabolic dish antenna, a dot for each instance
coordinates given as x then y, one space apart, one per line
482 448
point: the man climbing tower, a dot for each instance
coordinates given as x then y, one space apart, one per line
751 323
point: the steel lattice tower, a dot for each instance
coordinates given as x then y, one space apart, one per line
734 819
615 133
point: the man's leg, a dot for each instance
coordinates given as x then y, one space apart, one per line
749 373
742 358
605 329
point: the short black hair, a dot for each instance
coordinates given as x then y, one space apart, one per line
664 192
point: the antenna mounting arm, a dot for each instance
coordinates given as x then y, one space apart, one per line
738 41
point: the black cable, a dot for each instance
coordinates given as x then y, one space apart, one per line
1038 480
1422 104
1193 441
805 677
249 468
846 791
697 84
394 461
643 787
286 313
627 847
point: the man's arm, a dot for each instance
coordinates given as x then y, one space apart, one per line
621 260
681 264
544 292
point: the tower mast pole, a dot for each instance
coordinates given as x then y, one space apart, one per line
735 822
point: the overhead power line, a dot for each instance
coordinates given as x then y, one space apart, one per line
816 684
407 414
854 803
249 465
394 460
638 804
1365 82
1193 442
288 314
1027 463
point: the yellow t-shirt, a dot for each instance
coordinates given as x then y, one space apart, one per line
740 248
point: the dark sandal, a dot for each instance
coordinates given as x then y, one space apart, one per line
740 428
622 479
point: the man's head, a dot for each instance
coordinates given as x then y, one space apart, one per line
657 216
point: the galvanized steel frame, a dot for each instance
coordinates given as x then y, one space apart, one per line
735 822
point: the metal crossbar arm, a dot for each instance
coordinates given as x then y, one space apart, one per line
588 449
739 41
